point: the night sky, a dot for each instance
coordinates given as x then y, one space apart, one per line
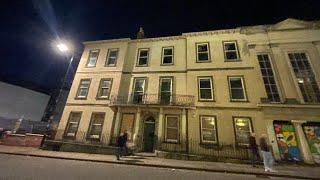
30 28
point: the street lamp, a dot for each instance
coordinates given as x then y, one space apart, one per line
63 48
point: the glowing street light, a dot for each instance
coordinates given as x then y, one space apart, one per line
62 47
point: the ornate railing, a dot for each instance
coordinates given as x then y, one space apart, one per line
153 99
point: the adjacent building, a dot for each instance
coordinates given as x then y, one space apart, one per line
202 90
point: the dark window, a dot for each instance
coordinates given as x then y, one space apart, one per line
93 56
73 124
143 56
96 125
167 55
237 88
112 57
231 51
202 52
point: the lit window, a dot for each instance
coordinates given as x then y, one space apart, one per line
203 54
231 51
208 129
167 55
143 55
237 91
305 77
83 88
93 56
205 88
112 57
95 128
242 130
172 128
73 123
104 90
268 78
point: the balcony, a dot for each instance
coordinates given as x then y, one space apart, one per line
153 99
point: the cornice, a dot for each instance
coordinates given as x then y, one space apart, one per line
169 38
207 33
107 41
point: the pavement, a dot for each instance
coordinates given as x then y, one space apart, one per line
284 171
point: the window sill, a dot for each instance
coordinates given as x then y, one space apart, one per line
142 65
170 142
102 98
69 137
80 98
240 101
203 61
206 100
166 64
89 66
109 65
233 60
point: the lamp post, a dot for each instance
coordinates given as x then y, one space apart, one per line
63 48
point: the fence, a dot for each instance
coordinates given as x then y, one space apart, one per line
82 138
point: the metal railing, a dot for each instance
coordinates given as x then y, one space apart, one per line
153 99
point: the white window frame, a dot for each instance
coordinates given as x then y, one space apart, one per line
81 88
211 88
134 87
112 57
178 129
139 56
95 136
235 127
89 58
163 55
208 51
171 83
243 88
101 88
70 123
236 50
215 129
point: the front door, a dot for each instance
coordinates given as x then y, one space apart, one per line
148 135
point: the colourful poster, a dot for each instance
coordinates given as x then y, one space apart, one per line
313 137
287 142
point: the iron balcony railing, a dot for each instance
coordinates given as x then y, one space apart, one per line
153 99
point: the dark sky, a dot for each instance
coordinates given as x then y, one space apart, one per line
30 28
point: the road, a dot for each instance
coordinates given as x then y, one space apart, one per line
25 167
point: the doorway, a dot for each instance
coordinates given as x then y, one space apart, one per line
149 134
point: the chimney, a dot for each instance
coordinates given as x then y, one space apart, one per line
140 34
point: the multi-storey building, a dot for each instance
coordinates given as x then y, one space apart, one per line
200 90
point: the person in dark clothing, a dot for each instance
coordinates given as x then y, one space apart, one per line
121 144
266 154
254 149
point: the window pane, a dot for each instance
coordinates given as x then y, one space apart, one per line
172 134
139 85
172 122
242 126
203 56
93 54
202 48
208 135
230 46
237 94
205 94
105 83
113 53
208 122
75 117
165 84
235 82
205 83
143 61
231 55
167 60
82 92
143 53
167 51
111 61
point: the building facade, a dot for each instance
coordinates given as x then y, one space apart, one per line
202 90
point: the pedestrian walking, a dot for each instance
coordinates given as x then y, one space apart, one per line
266 154
254 149
121 144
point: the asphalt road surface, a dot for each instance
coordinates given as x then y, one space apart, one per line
33 168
